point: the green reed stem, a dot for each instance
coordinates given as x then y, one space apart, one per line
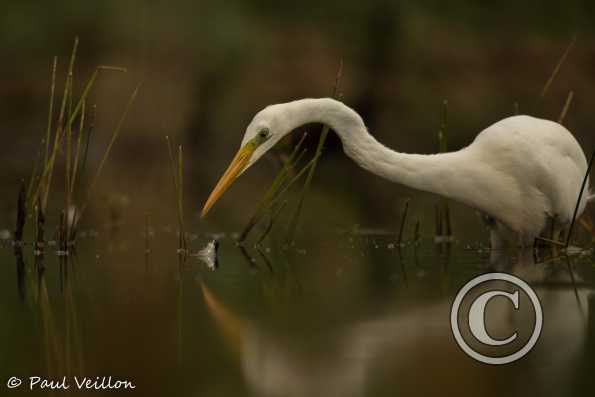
323 136
274 214
46 178
77 154
270 194
34 174
51 109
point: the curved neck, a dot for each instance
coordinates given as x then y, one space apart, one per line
436 173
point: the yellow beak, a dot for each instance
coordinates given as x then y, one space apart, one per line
236 167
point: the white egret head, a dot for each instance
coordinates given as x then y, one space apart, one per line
263 132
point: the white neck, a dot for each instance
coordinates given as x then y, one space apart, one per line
443 174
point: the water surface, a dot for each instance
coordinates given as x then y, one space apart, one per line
351 316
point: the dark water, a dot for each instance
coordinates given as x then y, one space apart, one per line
351 316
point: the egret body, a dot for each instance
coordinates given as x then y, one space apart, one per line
521 171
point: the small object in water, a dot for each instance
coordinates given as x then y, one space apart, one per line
209 254
5 234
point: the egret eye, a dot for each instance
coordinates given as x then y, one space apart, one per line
264 133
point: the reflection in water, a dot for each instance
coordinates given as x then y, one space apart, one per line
415 337
20 262
62 344
360 318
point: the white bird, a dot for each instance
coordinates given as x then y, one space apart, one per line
521 172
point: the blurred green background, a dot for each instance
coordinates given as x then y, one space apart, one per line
207 67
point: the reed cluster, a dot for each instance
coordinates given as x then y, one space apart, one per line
67 134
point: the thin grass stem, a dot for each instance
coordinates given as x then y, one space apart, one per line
293 225
578 200
273 190
274 214
46 178
115 135
51 109
77 154
403 220
176 169
566 107
34 173
557 68
181 197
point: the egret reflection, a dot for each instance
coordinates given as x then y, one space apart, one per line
409 344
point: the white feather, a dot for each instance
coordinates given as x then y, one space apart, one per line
520 171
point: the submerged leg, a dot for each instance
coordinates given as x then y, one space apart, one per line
497 240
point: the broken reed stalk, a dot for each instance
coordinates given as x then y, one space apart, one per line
21 214
578 200
566 107
176 168
273 190
550 241
325 130
403 220
561 61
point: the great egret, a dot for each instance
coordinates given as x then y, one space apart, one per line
520 172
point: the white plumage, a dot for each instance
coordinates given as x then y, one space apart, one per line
521 171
